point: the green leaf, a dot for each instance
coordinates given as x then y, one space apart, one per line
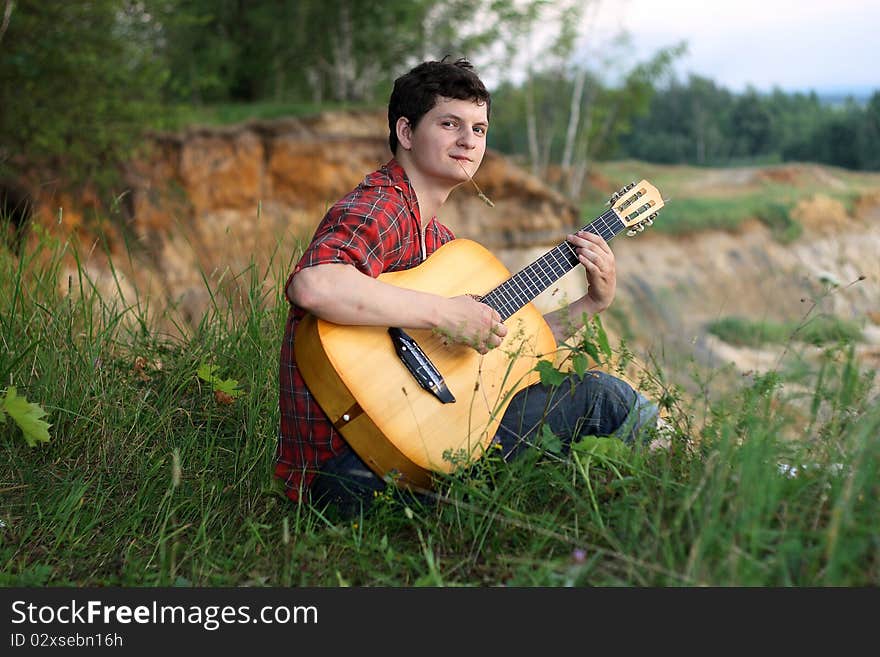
592 350
550 375
602 337
550 441
27 416
580 364
229 386
603 447
206 372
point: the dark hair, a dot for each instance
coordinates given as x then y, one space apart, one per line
416 92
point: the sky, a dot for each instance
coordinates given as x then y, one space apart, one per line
830 46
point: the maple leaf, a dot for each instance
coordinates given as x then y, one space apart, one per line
26 415
227 386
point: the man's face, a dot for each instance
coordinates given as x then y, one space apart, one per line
450 140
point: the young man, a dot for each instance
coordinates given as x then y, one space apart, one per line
438 118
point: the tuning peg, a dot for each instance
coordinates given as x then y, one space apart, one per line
613 198
649 221
636 229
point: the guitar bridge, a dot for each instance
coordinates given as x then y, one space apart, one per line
420 366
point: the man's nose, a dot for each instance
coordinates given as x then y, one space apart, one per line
467 138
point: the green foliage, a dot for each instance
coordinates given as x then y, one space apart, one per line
689 215
603 449
550 374
818 330
549 441
79 82
701 123
778 219
185 115
826 329
27 415
594 339
744 332
208 374
222 51
693 214
607 111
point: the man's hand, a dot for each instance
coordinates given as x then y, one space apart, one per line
598 260
469 322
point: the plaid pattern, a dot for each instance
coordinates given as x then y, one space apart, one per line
376 228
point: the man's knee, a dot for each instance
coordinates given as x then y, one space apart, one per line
641 418
626 413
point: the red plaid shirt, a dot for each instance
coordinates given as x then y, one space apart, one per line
376 228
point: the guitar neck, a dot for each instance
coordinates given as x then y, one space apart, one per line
528 283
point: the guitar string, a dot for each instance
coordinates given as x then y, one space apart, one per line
507 292
509 300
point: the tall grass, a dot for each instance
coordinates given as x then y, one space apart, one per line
150 479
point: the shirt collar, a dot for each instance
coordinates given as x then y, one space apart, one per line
392 174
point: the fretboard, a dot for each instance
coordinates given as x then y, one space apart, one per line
522 287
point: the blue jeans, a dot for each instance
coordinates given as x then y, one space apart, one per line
598 404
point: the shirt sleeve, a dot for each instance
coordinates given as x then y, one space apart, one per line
359 232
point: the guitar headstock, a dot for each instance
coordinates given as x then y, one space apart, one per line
636 205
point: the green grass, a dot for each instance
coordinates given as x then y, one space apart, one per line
690 215
183 116
149 481
817 330
725 199
694 214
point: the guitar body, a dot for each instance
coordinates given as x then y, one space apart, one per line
397 427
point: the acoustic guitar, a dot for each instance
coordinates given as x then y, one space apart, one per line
410 404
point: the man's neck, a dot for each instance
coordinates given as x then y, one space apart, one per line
430 194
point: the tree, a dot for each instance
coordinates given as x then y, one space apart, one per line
750 125
566 115
343 50
684 123
870 134
610 112
563 115
78 82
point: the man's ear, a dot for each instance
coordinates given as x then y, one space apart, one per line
404 132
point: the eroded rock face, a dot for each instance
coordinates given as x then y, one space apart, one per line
209 200
306 165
